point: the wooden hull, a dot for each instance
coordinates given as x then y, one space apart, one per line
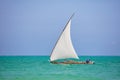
71 62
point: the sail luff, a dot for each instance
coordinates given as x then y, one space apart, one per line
62 32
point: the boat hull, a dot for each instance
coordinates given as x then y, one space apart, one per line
72 62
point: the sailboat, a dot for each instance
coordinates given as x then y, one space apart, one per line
64 49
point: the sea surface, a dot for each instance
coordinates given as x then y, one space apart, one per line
39 68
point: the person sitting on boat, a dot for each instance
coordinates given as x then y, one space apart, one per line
88 60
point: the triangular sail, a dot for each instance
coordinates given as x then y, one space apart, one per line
64 48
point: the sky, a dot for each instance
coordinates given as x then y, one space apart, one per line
32 27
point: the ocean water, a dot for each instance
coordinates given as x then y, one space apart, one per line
39 68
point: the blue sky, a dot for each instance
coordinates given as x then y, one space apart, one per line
31 27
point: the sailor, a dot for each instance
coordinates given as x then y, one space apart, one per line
87 61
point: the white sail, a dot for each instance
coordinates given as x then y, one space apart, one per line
64 48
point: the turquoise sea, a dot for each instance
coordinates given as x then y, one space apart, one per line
39 68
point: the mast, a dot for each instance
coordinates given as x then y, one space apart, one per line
62 32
